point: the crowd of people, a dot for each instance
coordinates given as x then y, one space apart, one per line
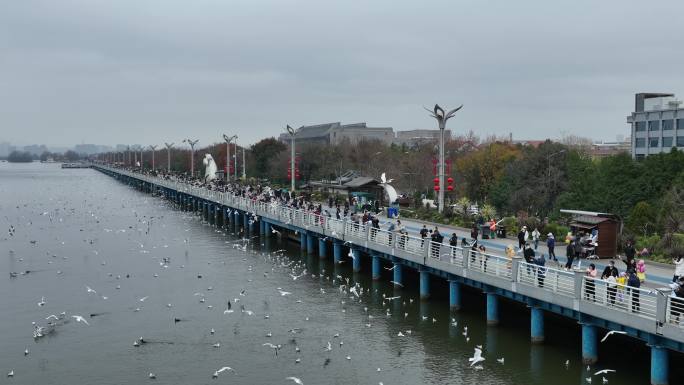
632 277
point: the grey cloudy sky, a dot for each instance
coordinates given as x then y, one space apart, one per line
142 71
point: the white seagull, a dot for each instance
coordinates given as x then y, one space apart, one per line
223 369
611 333
295 379
477 357
78 318
604 371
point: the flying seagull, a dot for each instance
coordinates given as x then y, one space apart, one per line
78 318
295 379
477 357
604 371
223 369
611 333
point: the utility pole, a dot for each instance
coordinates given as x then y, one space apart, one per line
235 160
244 165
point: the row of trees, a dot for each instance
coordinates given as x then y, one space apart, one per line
25 156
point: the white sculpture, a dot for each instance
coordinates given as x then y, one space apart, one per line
391 192
209 168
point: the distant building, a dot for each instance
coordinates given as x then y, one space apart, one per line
36 149
90 149
335 133
414 138
603 149
657 124
5 149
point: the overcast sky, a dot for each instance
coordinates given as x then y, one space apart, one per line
141 71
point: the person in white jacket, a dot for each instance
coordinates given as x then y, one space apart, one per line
679 268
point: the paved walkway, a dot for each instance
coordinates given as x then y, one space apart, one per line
657 274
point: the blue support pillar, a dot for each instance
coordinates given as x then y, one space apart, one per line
492 309
262 232
454 295
537 325
252 226
302 241
424 284
660 365
337 252
310 243
322 251
397 274
356 264
245 222
236 221
589 344
376 268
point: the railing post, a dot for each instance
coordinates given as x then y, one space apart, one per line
661 305
515 268
579 281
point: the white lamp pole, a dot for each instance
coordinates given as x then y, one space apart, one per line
153 148
442 117
168 156
235 159
292 133
192 144
228 139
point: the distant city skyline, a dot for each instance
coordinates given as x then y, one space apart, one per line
105 72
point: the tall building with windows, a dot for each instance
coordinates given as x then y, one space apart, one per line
657 124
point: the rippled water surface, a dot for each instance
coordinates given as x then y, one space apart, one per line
79 228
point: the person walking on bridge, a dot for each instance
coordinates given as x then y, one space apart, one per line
679 268
610 274
551 244
570 254
522 235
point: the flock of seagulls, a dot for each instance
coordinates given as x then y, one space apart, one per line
348 294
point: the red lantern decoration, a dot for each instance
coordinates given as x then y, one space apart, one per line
450 188
450 180
436 180
437 188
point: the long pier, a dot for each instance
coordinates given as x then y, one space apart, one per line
649 315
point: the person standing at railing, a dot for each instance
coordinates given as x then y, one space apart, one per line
679 268
540 261
590 287
610 274
529 255
677 301
634 283
521 237
474 232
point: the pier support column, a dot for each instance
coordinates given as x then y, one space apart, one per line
337 252
492 309
424 284
397 275
236 221
310 243
537 325
589 345
322 250
356 263
224 217
302 241
245 222
262 230
375 267
455 295
660 365
252 226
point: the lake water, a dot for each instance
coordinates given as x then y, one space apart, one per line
79 228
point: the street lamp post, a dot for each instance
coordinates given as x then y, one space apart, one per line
192 144
292 133
442 117
128 150
228 139
235 160
153 148
168 156
244 165
141 158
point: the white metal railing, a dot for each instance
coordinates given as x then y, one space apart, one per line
410 244
355 230
675 311
547 278
642 302
381 237
489 264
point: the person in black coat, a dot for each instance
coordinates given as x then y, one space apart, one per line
570 254
634 283
610 271
630 252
